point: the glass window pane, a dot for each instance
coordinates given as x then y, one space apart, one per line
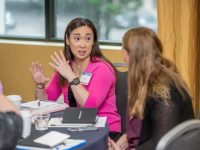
22 18
111 17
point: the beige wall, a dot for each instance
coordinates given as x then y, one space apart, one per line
15 60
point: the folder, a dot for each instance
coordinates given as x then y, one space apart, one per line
73 115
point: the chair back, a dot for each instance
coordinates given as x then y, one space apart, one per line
121 91
185 136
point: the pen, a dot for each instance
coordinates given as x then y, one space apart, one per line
38 103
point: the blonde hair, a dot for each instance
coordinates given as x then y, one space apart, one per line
150 74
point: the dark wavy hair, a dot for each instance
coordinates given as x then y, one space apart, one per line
95 53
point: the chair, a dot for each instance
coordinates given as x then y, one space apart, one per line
120 64
198 117
185 136
121 91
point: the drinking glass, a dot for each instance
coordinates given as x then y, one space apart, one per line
41 121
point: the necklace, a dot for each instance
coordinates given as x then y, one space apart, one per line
81 67
78 73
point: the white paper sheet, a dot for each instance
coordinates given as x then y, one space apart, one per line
101 122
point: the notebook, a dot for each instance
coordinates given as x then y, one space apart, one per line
43 107
50 140
74 115
57 123
68 144
39 141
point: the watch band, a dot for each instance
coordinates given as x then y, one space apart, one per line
75 81
40 86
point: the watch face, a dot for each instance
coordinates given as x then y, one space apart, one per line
76 81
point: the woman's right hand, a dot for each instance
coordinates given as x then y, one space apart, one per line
38 74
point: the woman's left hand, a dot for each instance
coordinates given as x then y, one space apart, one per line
62 66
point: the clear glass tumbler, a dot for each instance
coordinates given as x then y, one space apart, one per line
41 121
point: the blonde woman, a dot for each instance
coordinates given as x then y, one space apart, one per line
158 98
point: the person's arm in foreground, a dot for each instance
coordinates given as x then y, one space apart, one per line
11 123
5 104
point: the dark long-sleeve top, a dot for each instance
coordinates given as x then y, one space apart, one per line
159 118
10 130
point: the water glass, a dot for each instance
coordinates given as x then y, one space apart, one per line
41 121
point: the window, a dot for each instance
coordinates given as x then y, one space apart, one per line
22 18
49 18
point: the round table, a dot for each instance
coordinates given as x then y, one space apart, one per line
96 140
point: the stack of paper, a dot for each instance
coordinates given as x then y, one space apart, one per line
40 106
37 104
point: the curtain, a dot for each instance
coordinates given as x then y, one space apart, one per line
178 22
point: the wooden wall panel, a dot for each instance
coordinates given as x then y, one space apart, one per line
15 60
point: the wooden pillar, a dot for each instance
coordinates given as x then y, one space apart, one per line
197 61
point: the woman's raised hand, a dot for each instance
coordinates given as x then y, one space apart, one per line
62 66
38 74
